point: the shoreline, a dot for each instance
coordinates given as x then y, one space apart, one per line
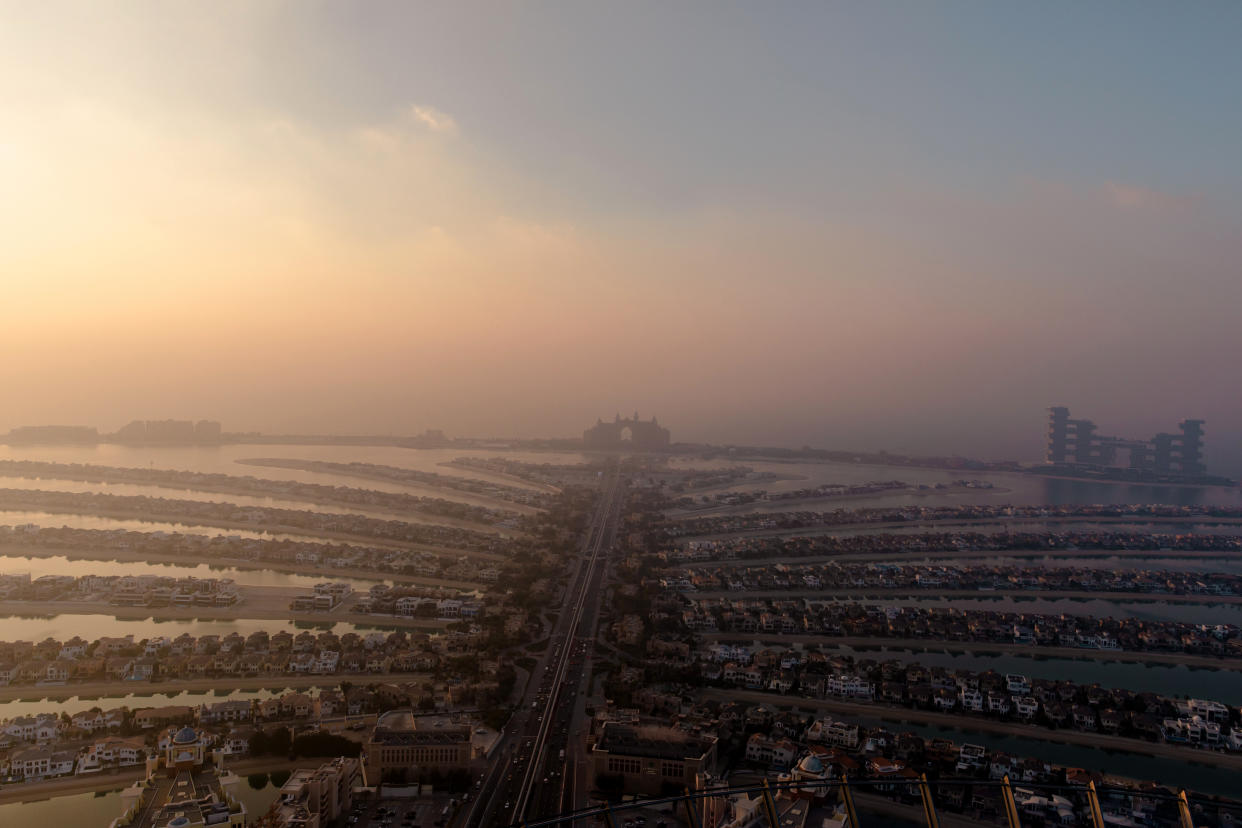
724 487
281 496
261 528
51 609
88 690
1024 471
440 492
884 712
882 526
764 507
916 645
119 556
1106 481
827 595
949 554
505 477
116 780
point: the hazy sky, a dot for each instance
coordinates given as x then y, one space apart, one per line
868 224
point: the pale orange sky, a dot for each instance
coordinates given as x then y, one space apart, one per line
293 219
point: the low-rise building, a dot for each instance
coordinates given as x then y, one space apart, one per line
41 762
225 711
651 759
403 745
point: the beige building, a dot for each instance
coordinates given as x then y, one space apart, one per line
185 787
156 716
315 798
651 759
403 745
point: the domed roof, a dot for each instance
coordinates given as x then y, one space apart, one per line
185 736
811 764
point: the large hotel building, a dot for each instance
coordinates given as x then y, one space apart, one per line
1078 443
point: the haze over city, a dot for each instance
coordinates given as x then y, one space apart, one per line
897 226
634 414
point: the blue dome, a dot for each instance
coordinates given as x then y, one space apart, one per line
812 765
185 736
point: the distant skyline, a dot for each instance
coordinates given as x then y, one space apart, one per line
1021 454
898 225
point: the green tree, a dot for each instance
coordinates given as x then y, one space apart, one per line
282 741
496 717
260 743
610 784
322 744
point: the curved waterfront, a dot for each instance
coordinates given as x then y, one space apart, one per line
1114 605
102 808
61 565
1166 679
91 627
1193 776
30 705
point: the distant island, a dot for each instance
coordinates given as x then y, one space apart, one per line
138 432
211 433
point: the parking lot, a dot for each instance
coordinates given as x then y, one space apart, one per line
423 812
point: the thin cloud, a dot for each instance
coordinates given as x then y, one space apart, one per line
434 119
1130 197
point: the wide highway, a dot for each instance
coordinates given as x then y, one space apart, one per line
527 773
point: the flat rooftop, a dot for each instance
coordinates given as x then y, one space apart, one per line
652 742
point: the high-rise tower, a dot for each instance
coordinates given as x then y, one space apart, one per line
1077 442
